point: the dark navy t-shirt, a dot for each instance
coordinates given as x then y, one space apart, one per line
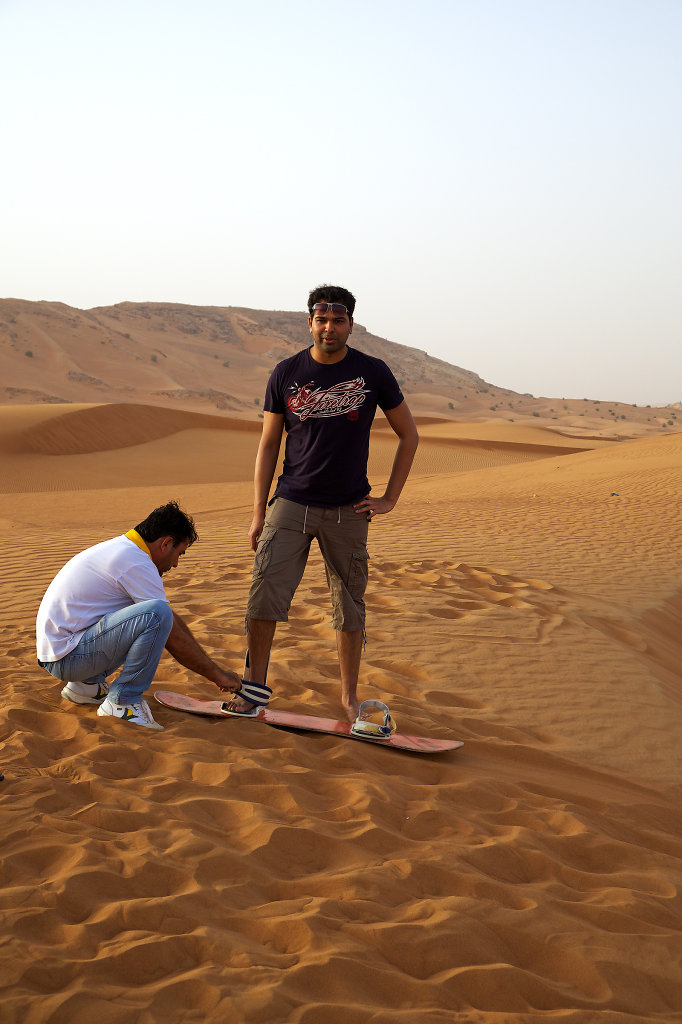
328 410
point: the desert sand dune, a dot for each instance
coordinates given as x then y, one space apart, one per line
69 430
137 444
229 871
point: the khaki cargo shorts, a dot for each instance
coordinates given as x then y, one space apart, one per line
283 552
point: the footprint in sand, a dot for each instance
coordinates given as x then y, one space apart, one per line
457 592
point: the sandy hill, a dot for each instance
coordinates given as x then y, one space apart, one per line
218 359
150 444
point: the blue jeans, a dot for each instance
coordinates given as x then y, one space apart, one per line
133 637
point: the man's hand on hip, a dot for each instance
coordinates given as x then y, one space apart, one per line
372 506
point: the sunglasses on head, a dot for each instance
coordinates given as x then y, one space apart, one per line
336 308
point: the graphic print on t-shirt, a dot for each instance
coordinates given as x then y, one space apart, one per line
339 400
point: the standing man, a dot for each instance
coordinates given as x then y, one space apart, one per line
107 607
325 398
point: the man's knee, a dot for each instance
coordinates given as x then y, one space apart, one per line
160 611
268 602
165 614
347 596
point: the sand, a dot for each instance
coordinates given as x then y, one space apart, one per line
525 597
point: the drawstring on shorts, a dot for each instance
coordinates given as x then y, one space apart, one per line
305 517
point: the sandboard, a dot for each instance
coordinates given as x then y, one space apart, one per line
307 723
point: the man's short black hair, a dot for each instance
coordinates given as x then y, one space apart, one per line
331 293
168 521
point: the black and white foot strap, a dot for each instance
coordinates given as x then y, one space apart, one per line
255 693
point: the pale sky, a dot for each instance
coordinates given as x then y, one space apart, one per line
499 182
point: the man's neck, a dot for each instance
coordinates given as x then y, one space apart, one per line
328 360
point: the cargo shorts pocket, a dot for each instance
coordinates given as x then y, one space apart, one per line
358 575
264 551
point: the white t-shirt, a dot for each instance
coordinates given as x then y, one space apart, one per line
102 579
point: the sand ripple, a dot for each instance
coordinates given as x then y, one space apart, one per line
229 871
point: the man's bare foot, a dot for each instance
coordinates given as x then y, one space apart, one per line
239 706
351 708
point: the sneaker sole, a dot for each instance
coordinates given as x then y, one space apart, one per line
127 721
74 699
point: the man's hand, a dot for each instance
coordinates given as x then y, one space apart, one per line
256 529
266 464
372 506
228 682
184 647
403 426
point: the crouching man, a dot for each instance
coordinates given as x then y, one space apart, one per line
107 608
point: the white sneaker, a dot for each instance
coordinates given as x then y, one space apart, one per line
138 714
85 693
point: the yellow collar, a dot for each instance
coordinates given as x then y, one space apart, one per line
134 536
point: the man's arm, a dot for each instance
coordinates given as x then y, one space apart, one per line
182 645
405 428
266 463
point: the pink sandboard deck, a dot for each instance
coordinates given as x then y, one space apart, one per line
307 723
